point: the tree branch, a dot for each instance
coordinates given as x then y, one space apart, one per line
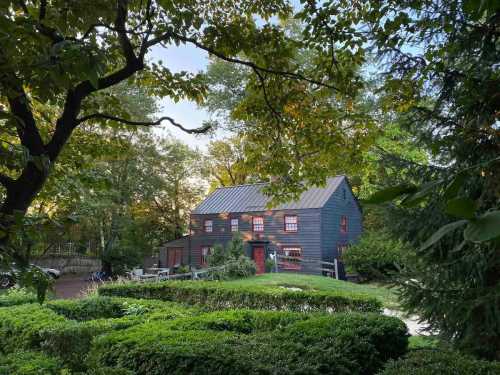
235 60
200 130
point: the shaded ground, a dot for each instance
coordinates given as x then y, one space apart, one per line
71 286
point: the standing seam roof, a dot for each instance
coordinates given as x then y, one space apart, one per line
247 198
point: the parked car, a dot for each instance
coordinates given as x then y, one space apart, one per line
8 277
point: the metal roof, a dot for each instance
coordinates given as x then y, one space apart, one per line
178 242
248 198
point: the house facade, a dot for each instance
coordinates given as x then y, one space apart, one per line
319 225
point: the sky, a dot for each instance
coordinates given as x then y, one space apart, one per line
190 59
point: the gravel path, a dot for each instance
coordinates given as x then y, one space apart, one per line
415 328
71 286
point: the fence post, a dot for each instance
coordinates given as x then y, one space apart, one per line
336 268
276 261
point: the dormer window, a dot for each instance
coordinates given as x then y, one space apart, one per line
208 226
291 223
258 224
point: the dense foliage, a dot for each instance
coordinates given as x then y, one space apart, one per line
218 295
377 256
230 342
29 363
230 260
428 362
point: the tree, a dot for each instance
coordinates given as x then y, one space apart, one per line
225 163
71 55
440 60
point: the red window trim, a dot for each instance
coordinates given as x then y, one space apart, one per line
343 224
205 227
296 224
253 224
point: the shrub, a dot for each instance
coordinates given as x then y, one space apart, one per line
430 362
237 269
214 295
29 363
20 326
71 341
17 296
236 264
377 256
239 342
109 307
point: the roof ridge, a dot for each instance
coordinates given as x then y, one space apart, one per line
265 183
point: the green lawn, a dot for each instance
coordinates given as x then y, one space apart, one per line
320 283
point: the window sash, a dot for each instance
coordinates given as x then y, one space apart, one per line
234 225
258 224
208 226
343 224
291 223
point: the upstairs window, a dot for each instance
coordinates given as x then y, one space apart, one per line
205 253
291 223
208 226
258 224
343 224
234 225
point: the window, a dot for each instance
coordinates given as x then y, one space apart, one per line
258 224
290 257
343 224
208 225
234 225
291 223
205 252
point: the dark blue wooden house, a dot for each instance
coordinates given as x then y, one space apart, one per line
319 226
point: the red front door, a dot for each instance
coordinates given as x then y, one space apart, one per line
259 258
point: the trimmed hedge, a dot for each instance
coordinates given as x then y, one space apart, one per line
216 296
20 326
29 363
35 327
109 307
17 296
255 342
440 362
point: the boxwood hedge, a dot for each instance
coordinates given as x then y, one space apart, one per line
440 362
216 295
29 363
238 342
109 307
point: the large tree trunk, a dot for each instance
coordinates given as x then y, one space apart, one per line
20 195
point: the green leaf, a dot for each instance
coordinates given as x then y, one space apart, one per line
485 228
391 193
421 194
454 186
461 207
441 232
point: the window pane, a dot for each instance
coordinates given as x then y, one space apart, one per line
291 223
258 224
208 225
234 225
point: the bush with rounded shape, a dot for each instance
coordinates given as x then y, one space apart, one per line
440 362
29 363
239 342
377 256
20 326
